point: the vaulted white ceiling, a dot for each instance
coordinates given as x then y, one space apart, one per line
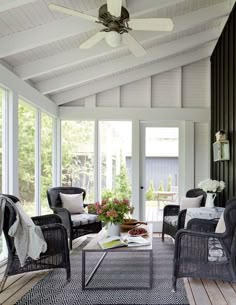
42 47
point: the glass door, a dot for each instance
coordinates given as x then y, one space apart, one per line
160 171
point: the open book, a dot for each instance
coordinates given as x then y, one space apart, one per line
136 241
112 242
126 241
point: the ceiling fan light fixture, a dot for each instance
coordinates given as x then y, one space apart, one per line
113 39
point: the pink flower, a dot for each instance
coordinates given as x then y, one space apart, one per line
104 201
97 205
126 201
112 213
116 201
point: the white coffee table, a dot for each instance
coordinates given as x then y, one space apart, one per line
93 246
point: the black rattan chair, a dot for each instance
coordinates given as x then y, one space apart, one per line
57 254
178 217
193 257
75 229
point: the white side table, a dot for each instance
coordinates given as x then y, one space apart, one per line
203 213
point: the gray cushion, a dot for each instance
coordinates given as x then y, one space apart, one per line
216 252
83 219
172 220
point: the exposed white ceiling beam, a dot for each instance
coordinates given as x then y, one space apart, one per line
132 75
10 80
77 56
126 62
6 5
143 114
60 29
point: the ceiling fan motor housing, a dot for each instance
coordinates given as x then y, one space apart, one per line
118 24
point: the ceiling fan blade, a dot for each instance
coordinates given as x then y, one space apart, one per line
93 40
151 24
135 47
68 11
114 7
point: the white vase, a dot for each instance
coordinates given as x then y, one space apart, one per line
113 229
210 200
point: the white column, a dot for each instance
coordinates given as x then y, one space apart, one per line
136 173
37 162
13 187
57 155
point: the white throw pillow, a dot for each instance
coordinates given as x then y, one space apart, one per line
220 228
73 202
194 202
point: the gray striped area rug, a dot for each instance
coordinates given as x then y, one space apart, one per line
123 269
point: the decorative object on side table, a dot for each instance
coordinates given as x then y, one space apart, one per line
113 212
211 187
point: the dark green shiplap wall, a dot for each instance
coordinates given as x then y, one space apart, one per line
223 105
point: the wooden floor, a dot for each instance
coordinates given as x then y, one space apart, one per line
199 292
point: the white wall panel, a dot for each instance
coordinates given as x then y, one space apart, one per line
166 89
202 152
196 85
109 98
136 94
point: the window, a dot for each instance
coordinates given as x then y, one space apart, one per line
2 98
3 250
115 157
46 160
78 155
26 117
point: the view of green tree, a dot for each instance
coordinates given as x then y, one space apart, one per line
150 192
169 183
26 146
46 159
122 189
78 155
122 184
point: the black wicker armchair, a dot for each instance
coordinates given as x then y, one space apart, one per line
202 253
173 218
55 235
75 226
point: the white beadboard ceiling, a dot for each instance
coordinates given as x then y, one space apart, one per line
42 47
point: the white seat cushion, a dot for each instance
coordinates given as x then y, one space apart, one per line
172 220
220 228
84 219
216 252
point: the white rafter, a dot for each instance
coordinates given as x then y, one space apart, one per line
126 62
61 29
6 5
77 56
132 75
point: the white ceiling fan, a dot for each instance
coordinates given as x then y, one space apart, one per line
117 24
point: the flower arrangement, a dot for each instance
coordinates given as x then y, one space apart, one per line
212 186
113 210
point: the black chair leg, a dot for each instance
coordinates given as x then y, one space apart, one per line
162 235
174 280
3 283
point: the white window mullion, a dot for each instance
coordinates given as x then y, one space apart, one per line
38 162
13 184
57 155
5 143
97 167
